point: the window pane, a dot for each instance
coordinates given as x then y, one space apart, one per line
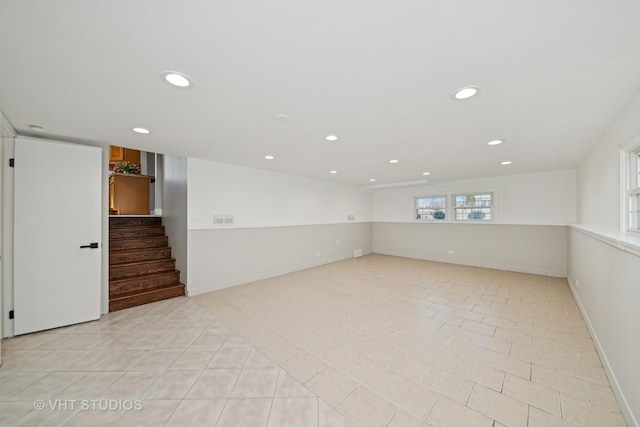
634 211
473 207
434 207
636 182
634 192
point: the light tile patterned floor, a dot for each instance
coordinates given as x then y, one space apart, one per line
383 341
391 341
186 368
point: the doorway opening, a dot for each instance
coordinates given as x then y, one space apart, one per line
132 182
141 268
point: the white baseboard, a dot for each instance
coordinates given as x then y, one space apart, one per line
193 291
494 266
615 386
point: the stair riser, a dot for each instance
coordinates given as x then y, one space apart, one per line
130 221
149 242
123 271
152 277
133 301
142 283
126 232
116 257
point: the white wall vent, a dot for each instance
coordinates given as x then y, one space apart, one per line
223 220
357 253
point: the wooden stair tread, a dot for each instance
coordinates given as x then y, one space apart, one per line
138 242
139 254
122 301
124 221
137 237
125 227
133 251
144 276
135 263
141 269
123 243
142 230
145 292
120 251
135 269
146 281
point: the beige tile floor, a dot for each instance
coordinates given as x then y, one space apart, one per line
378 340
391 341
183 365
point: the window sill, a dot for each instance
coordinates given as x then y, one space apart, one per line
624 242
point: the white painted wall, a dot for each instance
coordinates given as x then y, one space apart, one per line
604 280
174 211
528 233
283 223
535 198
604 262
263 198
599 172
219 258
535 249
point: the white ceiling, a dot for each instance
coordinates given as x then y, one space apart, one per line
379 74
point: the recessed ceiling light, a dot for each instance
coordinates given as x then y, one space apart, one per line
141 130
282 118
426 173
36 128
508 162
466 92
372 180
333 172
495 142
393 161
176 79
331 138
269 157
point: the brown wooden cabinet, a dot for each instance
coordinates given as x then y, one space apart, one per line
129 194
121 154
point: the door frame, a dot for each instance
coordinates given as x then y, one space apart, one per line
7 238
7 133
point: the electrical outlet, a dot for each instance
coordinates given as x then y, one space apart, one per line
317 253
451 252
337 242
222 219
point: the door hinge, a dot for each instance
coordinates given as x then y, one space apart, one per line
12 163
11 314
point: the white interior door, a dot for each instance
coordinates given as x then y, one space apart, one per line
57 214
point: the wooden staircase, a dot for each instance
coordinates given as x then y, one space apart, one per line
141 269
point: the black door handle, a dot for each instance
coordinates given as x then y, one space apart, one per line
90 245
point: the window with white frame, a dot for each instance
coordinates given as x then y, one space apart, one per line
633 192
473 207
431 207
